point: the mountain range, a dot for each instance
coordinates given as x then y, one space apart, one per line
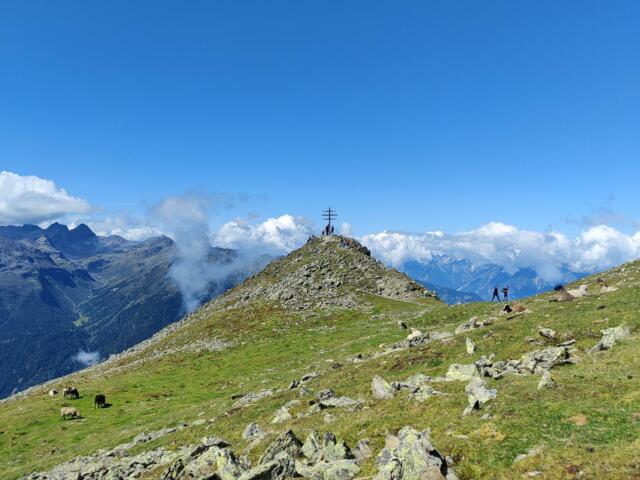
328 365
70 297
459 280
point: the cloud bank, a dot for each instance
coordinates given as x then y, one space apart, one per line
31 199
596 248
86 358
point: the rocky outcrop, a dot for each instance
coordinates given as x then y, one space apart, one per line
324 273
409 455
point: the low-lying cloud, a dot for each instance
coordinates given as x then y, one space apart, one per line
31 199
86 358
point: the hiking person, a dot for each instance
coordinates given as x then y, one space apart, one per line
505 293
496 295
331 229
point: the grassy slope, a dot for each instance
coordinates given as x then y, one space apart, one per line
271 349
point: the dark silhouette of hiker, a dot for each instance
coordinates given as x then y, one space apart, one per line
331 229
505 293
496 295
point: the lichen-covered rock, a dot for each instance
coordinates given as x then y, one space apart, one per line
461 373
471 347
286 442
411 456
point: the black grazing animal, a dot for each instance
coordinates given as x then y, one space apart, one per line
71 392
100 401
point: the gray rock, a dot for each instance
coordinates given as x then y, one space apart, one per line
461 373
411 456
381 389
253 432
547 333
478 394
545 380
280 468
471 347
286 442
610 336
250 398
325 394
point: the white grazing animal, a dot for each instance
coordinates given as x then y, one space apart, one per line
580 292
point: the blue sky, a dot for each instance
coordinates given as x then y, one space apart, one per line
410 116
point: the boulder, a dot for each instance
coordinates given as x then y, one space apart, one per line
381 389
545 380
411 456
461 373
287 443
253 432
545 359
478 394
547 333
610 336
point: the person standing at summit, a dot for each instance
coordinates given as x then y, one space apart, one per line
505 293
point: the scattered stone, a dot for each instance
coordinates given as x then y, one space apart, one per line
362 449
411 456
325 394
461 373
478 394
402 325
287 443
546 381
250 398
473 323
253 432
610 336
547 333
545 359
471 347
294 384
310 376
381 389
531 453
283 414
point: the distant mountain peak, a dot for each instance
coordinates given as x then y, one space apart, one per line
83 231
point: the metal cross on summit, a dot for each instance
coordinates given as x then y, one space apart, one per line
329 214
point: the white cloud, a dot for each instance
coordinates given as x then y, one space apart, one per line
596 248
123 225
274 235
31 199
86 358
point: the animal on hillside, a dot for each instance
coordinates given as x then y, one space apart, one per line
69 412
558 288
562 296
53 392
579 292
402 325
70 392
519 308
100 401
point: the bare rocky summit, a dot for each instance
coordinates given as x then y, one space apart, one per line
326 272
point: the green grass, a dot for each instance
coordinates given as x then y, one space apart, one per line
271 348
